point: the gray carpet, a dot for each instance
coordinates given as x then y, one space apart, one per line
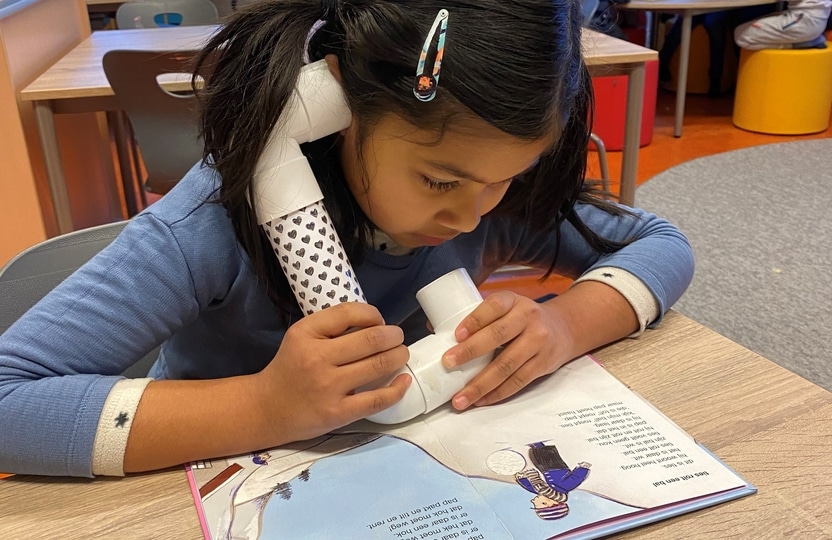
760 222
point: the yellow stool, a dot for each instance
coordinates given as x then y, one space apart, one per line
784 91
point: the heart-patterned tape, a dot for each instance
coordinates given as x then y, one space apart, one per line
313 259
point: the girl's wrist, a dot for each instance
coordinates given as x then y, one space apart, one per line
591 314
271 419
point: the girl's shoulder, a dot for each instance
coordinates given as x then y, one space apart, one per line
193 198
195 222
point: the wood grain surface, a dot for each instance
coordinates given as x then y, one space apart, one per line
768 424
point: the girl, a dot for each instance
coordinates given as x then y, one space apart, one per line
484 170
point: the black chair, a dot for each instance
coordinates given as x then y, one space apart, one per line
164 121
37 270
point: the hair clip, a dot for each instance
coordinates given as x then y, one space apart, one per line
426 83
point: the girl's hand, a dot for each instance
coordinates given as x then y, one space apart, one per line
308 388
536 338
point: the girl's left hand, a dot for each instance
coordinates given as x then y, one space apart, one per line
536 338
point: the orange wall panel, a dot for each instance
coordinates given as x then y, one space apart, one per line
32 39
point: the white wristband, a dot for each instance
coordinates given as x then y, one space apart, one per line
114 426
631 288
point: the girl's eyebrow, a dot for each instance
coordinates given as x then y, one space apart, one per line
456 171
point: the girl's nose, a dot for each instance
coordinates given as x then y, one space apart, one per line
463 216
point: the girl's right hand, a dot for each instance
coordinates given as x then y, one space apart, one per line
308 389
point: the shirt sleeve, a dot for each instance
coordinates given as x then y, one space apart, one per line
60 360
657 253
632 289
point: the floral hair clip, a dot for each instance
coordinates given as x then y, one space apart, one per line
426 83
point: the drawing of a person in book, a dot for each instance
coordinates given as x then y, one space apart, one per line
261 458
550 480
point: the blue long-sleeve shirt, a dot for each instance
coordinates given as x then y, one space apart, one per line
177 276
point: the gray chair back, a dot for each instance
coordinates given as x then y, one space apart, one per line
34 272
162 13
588 9
164 122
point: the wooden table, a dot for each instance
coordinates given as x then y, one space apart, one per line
768 424
606 56
76 83
688 9
104 6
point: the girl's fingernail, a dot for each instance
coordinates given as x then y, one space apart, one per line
449 360
461 402
462 334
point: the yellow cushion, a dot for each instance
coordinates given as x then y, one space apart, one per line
784 91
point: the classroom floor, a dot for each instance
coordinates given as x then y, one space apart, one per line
707 130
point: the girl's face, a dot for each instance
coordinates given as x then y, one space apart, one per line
421 193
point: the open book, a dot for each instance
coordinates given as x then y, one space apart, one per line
575 455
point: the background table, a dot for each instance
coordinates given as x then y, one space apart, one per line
688 9
605 56
768 424
77 83
104 6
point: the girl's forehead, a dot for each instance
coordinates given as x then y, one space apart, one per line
465 142
484 159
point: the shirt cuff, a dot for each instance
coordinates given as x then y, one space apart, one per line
114 426
632 289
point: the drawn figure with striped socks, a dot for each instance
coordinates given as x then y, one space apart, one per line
550 480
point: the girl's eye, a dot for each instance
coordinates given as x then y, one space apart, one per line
438 186
504 183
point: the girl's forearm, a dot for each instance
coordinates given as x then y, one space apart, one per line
596 314
181 421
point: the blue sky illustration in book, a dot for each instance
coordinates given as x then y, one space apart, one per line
403 493
389 488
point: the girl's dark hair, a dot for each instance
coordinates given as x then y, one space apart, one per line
516 64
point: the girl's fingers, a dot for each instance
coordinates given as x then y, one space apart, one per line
521 378
352 331
502 370
488 338
381 365
338 319
365 343
363 404
489 310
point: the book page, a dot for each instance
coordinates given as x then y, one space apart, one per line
573 449
638 457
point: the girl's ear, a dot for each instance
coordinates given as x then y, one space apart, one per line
332 61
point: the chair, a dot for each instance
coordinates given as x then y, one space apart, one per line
162 13
164 123
37 270
602 160
588 9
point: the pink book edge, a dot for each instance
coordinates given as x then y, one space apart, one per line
198 503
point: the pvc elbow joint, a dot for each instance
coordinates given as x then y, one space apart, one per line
283 181
446 301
